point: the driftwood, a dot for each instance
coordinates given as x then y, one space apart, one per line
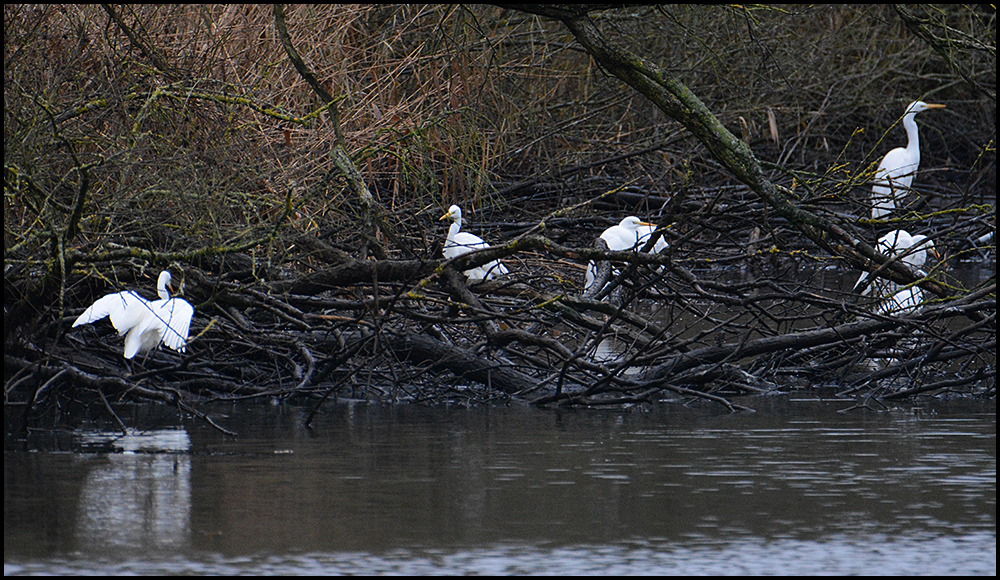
466 365
416 323
413 329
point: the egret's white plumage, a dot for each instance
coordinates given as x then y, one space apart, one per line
143 323
903 301
900 302
895 173
913 250
458 242
631 233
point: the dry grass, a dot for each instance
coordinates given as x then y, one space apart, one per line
441 104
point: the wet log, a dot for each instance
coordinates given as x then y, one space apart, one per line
422 349
354 272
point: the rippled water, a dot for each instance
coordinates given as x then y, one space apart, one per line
796 488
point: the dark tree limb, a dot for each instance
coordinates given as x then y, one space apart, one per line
79 377
148 52
679 103
422 349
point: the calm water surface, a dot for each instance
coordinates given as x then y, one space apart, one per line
796 488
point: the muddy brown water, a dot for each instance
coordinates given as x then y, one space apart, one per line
795 488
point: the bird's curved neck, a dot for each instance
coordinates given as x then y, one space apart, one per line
912 134
161 289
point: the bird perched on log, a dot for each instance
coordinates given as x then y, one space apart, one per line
458 242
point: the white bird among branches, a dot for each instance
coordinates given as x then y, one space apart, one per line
458 242
912 251
631 233
145 324
895 173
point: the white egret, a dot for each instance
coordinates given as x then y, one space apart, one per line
458 242
903 301
913 250
631 233
895 173
891 297
143 323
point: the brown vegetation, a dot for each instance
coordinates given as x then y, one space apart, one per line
300 184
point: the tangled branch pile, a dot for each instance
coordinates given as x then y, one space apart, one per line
141 135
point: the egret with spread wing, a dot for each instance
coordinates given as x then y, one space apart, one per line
145 324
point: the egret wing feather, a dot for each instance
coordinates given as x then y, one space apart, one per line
125 309
176 314
143 323
462 243
143 337
902 301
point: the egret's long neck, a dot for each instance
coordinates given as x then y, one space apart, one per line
912 134
455 227
161 288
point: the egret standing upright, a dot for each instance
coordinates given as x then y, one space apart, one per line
895 173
